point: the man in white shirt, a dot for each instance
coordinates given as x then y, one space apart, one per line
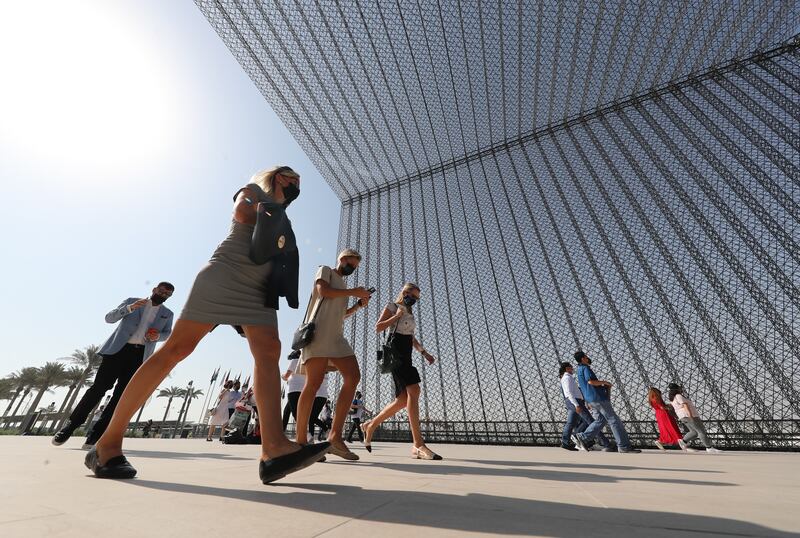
143 323
578 416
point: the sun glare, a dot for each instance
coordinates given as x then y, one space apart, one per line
82 86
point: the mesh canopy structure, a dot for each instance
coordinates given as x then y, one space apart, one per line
619 177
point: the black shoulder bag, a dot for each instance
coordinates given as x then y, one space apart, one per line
388 358
304 334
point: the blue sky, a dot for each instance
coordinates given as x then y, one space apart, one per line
128 127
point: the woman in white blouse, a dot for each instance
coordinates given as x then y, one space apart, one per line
398 317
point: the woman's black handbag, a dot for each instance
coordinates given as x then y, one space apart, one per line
305 332
272 234
388 357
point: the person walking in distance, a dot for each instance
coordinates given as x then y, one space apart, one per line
221 413
357 409
578 417
688 415
294 385
329 350
399 317
141 324
598 398
668 431
231 289
234 396
326 418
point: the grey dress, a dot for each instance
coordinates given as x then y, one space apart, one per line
230 289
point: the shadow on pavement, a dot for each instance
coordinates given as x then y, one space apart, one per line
583 466
474 512
538 474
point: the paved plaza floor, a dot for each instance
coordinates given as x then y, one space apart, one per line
199 489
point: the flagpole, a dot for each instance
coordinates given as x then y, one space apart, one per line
204 410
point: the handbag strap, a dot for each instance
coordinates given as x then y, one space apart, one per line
316 309
386 339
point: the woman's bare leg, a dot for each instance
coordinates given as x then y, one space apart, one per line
386 413
184 338
315 371
412 409
266 348
351 377
210 432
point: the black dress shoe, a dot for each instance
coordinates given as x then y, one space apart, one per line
276 468
117 467
63 434
569 447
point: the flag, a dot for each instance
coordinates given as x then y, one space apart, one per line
214 375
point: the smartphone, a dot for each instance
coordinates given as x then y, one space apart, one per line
371 290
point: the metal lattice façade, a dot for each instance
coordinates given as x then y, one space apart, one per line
618 177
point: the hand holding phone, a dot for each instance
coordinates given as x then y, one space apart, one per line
364 300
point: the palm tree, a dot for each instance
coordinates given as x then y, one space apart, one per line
172 392
51 374
72 378
88 360
24 379
189 394
6 388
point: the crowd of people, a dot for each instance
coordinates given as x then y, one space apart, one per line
588 403
241 286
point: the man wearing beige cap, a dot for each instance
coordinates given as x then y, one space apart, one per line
329 350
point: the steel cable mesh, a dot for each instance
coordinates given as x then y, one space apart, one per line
618 176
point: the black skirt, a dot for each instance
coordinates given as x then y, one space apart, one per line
405 374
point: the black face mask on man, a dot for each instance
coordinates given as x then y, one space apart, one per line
347 269
157 299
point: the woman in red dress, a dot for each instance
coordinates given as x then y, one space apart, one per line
668 431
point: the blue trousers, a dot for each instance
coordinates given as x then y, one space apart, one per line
603 413
577 422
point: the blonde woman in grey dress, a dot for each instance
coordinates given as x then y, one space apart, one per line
229 290
329 350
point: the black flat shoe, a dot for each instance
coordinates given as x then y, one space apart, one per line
276 468
117 467
63 434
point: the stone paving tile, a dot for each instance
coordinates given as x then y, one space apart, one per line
193 488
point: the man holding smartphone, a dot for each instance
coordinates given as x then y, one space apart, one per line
143 323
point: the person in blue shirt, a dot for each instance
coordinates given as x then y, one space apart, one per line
598 397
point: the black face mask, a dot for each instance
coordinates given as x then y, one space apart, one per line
290 194
347 269
157 299
408 300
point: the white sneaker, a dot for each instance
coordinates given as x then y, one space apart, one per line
660 446
578 443
684 446
712 450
